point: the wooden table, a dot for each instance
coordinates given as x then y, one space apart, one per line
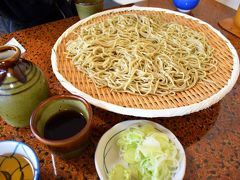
211 137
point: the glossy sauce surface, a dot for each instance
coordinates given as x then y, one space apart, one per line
64 125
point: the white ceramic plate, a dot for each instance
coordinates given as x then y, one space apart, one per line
123 2
107 152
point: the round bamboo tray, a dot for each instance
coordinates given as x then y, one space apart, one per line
201 96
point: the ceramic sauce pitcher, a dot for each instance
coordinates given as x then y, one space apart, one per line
22 87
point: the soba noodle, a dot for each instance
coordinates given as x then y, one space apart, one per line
142 55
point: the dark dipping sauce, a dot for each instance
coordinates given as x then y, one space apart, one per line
63 125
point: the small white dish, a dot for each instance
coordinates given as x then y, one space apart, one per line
107 152
124 2
15 147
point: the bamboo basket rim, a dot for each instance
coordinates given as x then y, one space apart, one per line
148 112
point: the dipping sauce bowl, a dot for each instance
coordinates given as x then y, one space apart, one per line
63 123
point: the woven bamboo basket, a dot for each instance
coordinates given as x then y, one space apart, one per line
197 98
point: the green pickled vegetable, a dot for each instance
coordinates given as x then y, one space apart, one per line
119 172
150 155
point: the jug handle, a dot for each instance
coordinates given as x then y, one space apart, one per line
9 61
11 64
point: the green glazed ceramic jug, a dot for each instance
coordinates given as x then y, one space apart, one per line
22 87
